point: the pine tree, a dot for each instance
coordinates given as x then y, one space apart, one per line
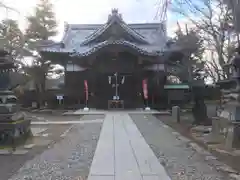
192 64
42 26
12 38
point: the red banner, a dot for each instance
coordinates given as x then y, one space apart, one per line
86 89
145 89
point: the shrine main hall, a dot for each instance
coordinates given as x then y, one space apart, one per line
113 58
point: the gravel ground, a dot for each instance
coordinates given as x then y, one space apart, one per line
184 129
49 117
69 159
13 162
179 159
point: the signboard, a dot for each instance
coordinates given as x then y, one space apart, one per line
59 97
116 97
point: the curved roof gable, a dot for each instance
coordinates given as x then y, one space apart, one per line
115 21
116 42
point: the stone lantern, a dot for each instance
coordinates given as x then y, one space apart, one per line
13 124
229 113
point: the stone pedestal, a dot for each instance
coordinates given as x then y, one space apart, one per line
86 109
14 126
233 136
147 108
215 136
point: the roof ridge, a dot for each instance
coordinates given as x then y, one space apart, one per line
141 36
95 32
101 24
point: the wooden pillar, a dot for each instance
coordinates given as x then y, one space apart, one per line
153 105
139 75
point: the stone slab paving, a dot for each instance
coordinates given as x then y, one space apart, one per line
122 153
69 159
98 112
103 162
176 153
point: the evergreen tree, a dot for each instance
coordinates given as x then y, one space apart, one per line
192 64
42 26
12 38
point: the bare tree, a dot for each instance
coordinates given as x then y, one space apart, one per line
213 20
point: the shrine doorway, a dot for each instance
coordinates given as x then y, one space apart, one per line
116 86
116 78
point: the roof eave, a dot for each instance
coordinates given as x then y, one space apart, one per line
117 42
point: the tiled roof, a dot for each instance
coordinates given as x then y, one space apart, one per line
141 49
77 36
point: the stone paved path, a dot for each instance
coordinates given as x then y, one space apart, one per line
122 153
94 111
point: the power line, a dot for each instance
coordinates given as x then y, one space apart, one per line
2 5
162 9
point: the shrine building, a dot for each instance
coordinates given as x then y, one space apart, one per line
113 58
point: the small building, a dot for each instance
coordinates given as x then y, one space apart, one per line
113 58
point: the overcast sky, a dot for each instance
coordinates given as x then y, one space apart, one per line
92 11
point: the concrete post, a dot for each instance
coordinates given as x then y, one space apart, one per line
216 128
176 113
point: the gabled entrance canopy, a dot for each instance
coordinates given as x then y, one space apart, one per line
115 29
